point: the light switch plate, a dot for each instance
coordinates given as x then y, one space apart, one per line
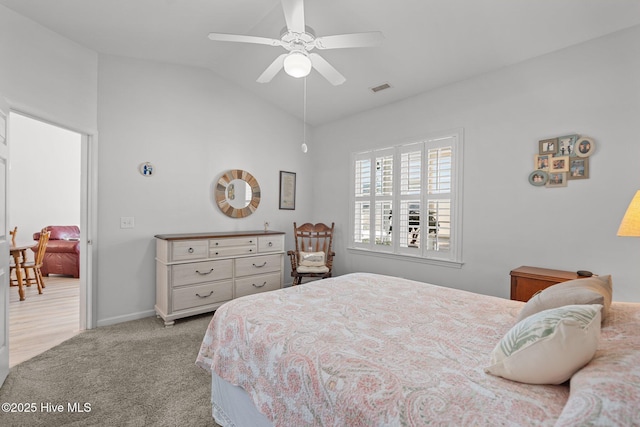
127 222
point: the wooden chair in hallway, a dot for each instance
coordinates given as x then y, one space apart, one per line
12 264
36 264
13 233
313 256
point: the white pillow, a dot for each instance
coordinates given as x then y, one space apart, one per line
548 347
312 259
591 290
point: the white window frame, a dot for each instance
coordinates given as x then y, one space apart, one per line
452 257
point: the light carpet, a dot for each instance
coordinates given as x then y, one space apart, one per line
136 373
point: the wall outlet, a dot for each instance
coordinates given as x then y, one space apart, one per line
127 222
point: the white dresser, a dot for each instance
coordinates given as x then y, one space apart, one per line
198 272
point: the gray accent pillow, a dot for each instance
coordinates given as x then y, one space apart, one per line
590 290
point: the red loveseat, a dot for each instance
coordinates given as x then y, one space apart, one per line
63 251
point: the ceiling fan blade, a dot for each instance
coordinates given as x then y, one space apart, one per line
326 70
244 39
272 69
342 41
294 15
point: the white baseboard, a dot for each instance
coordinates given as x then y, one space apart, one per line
119 319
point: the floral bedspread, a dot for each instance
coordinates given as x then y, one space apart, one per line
606 392
372 350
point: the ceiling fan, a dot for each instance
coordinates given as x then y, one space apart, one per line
299 40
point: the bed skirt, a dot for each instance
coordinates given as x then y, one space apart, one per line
232 406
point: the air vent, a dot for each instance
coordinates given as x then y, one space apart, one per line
380 87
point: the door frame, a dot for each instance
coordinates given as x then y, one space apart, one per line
88 216
4 240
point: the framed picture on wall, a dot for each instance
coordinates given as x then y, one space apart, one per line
541 162
559 164
287 190
538 178
557 180
584 147
548 146
566 145
579 168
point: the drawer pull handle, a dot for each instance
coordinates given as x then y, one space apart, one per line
205 296
270 244
260 266
250 250
204 274
190 250
259 286
216 253
250 241
216 243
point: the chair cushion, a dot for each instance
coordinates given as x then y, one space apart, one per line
312 259
309 269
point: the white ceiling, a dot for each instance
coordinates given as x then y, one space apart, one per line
428 43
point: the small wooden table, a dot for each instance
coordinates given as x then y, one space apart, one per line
526 281
19 254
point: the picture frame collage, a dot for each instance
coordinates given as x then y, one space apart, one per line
560 160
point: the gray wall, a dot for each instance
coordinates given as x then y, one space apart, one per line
592 89
47 75
193 126
44 176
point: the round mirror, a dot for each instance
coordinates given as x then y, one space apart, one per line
237 193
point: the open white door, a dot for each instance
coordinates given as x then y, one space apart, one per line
4 243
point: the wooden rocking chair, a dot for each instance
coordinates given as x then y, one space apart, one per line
313 256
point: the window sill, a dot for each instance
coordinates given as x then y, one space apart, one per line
404 257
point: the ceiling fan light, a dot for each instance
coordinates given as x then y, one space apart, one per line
297 65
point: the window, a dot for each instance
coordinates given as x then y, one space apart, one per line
406 199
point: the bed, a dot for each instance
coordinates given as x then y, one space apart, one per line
372 350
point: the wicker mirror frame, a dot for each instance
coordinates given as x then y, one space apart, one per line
221 193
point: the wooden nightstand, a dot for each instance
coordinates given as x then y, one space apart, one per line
526 281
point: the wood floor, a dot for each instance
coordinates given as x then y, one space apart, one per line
41 322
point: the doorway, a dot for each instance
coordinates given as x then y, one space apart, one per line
45 189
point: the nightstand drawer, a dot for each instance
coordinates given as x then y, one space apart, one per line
205 294
258 265
256 284
199 272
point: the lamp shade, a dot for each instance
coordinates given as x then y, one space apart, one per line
630 225
297 64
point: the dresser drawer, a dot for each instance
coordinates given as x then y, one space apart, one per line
191 249
256 284
223 252
235 241
258 265
199 272
205 294
271 244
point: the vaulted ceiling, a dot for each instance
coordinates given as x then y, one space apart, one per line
427 43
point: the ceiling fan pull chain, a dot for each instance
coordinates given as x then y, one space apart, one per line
304 147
